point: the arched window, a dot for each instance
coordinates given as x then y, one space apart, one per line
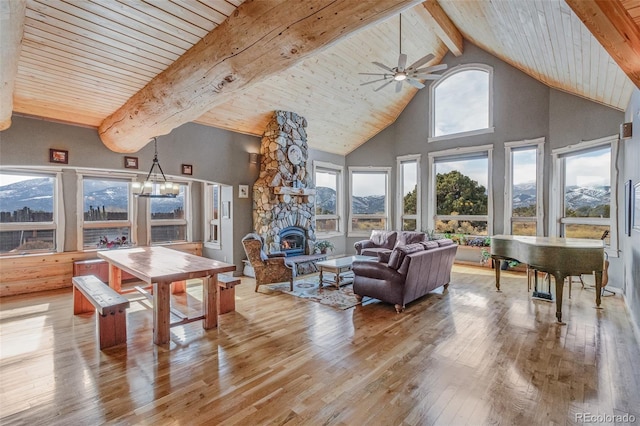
462 102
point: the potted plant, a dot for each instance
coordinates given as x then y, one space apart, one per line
323 245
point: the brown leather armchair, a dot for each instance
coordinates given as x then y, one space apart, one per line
268 268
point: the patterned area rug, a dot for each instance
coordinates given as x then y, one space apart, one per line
307 288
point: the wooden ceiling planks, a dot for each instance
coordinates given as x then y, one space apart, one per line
326 88
633 8
546 40
81 61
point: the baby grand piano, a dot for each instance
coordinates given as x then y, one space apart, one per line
560 257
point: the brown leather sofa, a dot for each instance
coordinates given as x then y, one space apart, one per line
381 241
405 273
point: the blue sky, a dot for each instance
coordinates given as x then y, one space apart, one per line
462 103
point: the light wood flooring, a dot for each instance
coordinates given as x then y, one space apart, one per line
468 356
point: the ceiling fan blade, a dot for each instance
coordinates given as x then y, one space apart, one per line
415 83
384 85
398 86
371 73
426 76
372 81
420 62
384 67
402 61
438 67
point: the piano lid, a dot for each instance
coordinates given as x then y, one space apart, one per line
551 241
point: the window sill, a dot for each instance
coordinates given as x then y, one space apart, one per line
214 246
461 135
359 234
328 234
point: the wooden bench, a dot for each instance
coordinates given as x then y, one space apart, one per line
90 294
227 293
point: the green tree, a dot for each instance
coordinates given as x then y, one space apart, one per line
410 201
457 193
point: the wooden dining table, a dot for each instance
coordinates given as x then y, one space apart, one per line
161 266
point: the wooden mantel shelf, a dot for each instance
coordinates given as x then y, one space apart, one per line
288 190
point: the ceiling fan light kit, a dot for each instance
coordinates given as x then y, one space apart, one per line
401 73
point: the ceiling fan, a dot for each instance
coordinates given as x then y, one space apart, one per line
402 73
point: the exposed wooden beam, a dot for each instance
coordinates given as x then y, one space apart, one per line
12 14
260 39
616 31
444 28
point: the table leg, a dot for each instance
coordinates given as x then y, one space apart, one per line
338 278
210 288
161 312
320 282
115 278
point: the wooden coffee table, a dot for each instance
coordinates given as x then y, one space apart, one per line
338 266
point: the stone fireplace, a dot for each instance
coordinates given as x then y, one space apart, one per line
283 195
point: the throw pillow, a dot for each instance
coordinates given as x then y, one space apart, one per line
445 242
410 237
385 239
428 245
399 253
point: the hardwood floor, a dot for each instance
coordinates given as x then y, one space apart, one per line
468 356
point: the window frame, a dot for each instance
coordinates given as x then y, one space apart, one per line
400 215
386 215
187 221
432 102
557 219
509 147
339 216
210 221
131 213
453 153
58 223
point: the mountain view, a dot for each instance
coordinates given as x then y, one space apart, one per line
37 195
326 202
576 197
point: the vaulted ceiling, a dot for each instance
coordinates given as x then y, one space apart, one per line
136 69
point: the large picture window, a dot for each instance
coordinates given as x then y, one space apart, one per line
29 214
460 202
328 205
369 199
523 189
584 179
106 211
462 102
409 194
169 217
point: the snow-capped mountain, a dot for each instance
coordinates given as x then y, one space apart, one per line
35 194
575 197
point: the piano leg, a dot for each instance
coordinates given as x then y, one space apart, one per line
497 263
598 288
559 287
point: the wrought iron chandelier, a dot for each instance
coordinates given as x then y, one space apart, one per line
165 189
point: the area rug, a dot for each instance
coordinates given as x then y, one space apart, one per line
307 288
